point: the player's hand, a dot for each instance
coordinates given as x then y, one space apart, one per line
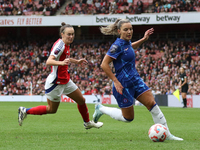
118 87
83 60
65 62
148 33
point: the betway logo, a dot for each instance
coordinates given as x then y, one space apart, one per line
105 19
168 18
138 19
131 19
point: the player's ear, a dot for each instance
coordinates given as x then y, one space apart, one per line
118 30
61 34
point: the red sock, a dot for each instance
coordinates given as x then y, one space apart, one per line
84 112
39 110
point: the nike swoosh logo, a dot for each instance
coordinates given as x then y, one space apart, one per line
126 49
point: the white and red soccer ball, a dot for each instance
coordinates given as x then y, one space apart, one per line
158 133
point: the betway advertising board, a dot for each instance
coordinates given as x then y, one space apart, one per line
193 101
104 99
96 20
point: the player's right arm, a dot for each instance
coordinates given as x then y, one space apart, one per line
52 62
105 66
142 40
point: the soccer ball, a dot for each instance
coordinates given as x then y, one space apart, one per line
158 132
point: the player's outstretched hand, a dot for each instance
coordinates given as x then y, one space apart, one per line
83 60
118 87
148 33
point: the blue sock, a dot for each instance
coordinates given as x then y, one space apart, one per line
27 109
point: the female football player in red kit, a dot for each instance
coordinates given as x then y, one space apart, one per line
58 82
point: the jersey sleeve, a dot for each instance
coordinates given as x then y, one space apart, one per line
184 76
57 50
114 51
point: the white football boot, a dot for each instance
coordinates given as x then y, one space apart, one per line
92 124
97 113
21 115
172 137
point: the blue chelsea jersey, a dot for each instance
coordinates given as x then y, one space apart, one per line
124 62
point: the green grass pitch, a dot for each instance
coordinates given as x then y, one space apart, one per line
64 130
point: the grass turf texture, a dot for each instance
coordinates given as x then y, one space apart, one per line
64 130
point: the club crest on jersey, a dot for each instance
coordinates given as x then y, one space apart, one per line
113 49
125 100
56 51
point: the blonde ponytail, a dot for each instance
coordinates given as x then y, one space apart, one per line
112 28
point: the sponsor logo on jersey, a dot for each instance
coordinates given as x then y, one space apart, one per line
113 49
56 51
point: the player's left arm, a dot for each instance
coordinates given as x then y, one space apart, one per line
80 61
142 40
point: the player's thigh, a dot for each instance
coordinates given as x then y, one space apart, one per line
53 91
77 97
147 99
128 112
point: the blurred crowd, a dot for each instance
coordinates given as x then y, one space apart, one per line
23 68
92 7
28 7
159 63
160 6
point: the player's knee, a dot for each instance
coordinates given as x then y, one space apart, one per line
81 101
51 111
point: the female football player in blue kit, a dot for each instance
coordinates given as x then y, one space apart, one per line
127 84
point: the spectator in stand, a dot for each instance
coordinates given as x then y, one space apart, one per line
107 89
97 4
34 8
167 6
125 11
29 6
139 7
5 91
131 9
9 7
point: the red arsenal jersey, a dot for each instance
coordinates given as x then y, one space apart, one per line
59 74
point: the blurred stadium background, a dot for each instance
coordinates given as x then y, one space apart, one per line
28 28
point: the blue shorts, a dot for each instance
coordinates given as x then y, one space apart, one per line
130 93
